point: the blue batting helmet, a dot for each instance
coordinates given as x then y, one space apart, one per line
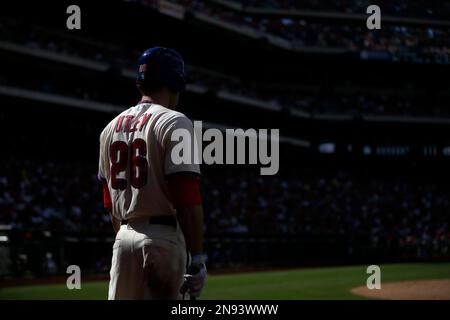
162 67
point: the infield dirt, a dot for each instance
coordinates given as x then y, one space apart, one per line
408 290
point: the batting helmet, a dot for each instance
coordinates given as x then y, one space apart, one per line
162 67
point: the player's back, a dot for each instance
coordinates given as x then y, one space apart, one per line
135 159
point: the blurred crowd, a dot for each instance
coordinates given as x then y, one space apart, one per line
388 211
418 8
51 196
393 38
354 103
312 101
396 211
37 37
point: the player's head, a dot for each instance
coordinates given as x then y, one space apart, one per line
161 70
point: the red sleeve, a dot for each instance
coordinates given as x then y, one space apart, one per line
107 202
185 189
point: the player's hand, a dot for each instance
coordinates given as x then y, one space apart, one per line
195 278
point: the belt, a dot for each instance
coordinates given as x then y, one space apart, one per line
165 220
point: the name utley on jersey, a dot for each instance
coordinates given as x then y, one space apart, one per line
135 158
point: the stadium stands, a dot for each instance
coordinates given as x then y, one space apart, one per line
49 188
106 57
406 214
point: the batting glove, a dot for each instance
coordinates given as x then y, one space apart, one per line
195 278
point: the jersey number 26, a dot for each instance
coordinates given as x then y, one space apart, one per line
119 162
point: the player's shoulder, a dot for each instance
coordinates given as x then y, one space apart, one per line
166 112
111 124
165 116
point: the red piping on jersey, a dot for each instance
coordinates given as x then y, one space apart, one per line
185 189
107 202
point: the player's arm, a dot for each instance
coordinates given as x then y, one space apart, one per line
185 191
190 218
183 181
107 203
184 186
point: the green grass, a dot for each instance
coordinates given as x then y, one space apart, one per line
317 283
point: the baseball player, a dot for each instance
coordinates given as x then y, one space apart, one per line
154 204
